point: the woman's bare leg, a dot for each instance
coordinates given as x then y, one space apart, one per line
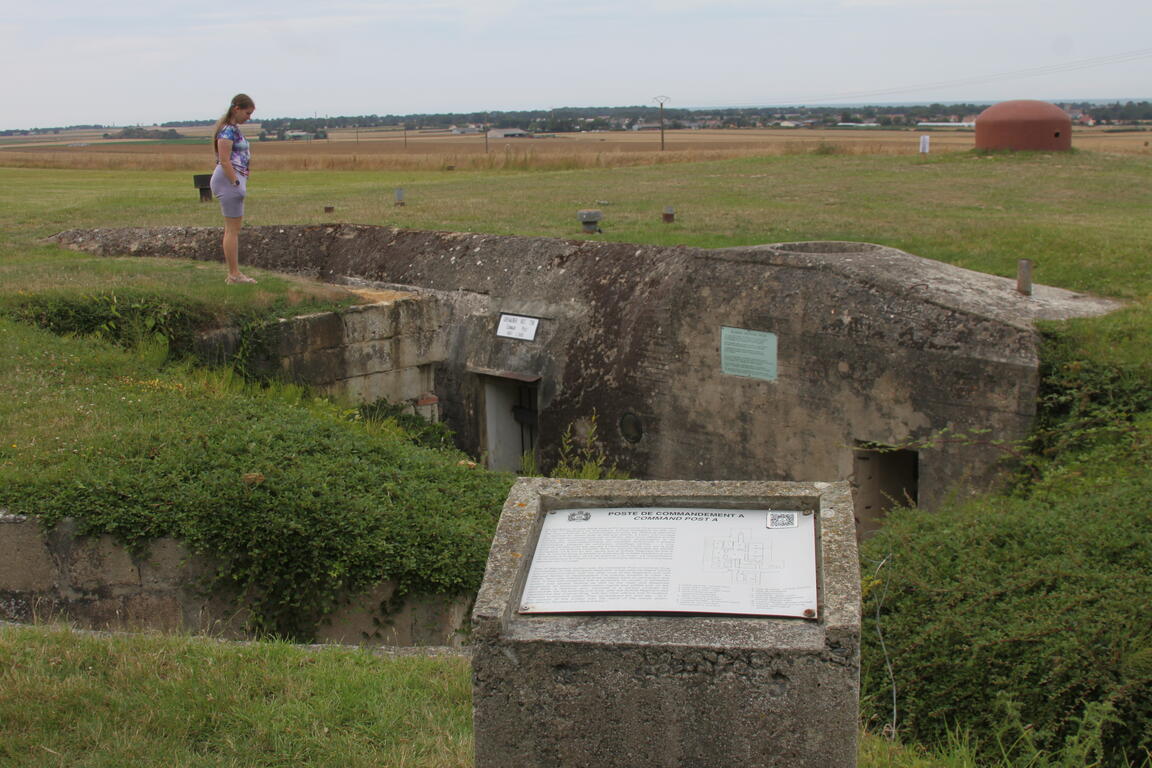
232 250
232 244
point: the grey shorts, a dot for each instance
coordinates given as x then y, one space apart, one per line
231 197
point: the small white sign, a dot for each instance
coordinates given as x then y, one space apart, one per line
517 327
745 562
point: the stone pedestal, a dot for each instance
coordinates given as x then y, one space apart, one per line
602 690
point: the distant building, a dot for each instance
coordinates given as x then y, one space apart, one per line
1079 117
509 133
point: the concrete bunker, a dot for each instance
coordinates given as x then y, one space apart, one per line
1024 125
788 361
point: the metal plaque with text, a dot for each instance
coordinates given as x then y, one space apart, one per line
517 327
755 562
748 353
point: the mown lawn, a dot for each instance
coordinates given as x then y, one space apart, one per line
152 701
1081 217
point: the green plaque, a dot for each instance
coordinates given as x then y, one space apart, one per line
748 353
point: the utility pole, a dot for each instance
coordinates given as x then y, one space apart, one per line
660 100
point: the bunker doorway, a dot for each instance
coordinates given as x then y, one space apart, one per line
510 422
883 478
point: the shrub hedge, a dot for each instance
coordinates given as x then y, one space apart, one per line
301 500
122 317
1023 619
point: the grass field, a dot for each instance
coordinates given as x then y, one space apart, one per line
150 701
1083 217
378 149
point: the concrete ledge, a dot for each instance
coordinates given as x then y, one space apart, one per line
95 583
363 353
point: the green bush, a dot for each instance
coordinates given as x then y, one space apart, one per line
300 504
423 432
1084 401
124 318
1021 621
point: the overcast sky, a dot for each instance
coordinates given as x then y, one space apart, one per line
122 62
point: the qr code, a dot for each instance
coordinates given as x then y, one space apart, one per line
782 519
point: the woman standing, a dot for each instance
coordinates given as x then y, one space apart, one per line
230 179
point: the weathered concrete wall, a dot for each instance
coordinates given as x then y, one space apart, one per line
647 690
365 353
875 345
96 583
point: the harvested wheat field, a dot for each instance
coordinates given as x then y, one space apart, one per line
391 149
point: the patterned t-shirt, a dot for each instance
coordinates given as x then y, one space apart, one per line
241 154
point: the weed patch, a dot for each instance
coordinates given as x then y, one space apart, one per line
125 318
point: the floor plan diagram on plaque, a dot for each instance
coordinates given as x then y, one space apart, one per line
744 561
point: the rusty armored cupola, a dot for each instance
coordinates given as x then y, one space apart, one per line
1025 125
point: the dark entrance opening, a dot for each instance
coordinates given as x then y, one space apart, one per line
883 478
510 422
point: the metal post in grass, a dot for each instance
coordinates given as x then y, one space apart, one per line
1024 277
590 220
660 100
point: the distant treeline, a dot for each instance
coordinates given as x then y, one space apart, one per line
57 129
567 119
1128 112
146 133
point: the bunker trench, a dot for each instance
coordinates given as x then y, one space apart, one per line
786 361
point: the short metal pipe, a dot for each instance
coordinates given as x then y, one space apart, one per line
1024 277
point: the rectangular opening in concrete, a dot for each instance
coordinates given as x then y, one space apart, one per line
883 478
510 422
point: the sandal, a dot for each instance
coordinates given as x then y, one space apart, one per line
234 279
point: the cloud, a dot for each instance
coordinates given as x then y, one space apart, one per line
170 59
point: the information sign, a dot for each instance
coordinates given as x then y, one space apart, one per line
748 353
668 559
517 327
